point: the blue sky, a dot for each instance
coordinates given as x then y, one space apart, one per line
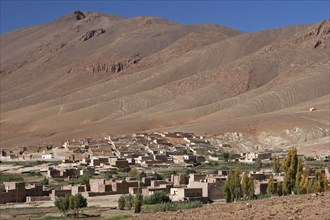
248 16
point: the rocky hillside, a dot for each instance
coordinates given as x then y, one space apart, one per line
91 74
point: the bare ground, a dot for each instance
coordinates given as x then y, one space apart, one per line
313 207
290 207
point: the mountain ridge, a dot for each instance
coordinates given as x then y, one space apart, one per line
90 74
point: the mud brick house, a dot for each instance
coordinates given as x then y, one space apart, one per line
260 187
122 186
120 163
100 185
179 180
57 193
79 189
212 187
33 190
12 192
182 194
146 181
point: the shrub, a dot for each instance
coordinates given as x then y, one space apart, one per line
129 201
44 182
156 198
121 202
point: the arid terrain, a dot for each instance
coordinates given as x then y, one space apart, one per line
291 207
91 74
311 206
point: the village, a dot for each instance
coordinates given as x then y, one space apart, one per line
182 165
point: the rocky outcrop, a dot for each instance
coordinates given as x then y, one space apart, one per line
92 33
104 67
79 15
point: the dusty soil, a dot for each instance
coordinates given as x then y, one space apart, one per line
314 207
290 207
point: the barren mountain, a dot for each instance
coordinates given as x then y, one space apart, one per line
90 74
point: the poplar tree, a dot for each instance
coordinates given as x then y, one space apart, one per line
271 186
276 164
138 202
245 184
290 166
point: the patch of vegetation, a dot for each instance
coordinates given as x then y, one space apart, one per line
53 218
83 179
44 182
125 201
117 217
31 163
125 169
11 178
189 171
158 176
163 207
111 173
33 174
156 198
73 203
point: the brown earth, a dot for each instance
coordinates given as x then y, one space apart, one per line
290 207
90 74
309 207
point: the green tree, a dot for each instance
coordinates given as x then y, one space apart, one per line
251 187
129 201
237 190
226 156
271 186
229 186
310 187
158 176
279 188
290 167
138 202
233 188
245 185
141 175
276 164
304 181
77 202
121 202
44 182
62 204
321 182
